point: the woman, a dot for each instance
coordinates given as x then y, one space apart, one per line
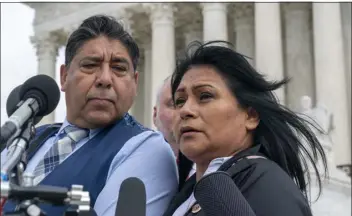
226 111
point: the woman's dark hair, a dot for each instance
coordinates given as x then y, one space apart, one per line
286 138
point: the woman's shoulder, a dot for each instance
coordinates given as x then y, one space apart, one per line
266 185
259 170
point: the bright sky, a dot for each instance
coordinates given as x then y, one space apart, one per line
18 58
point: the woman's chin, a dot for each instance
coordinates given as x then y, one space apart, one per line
192 150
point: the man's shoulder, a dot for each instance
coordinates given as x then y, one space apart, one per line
150 140
130 121
145 147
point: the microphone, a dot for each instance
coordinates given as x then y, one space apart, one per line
218 195
13 103
132 198
39 96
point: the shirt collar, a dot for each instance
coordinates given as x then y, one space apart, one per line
92 132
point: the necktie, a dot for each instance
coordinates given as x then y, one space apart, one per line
59 151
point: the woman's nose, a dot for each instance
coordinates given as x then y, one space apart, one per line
188 110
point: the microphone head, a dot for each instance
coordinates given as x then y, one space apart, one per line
44 89
132 198
13 101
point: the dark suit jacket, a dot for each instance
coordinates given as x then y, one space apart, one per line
267 188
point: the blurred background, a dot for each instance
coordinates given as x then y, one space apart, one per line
309 42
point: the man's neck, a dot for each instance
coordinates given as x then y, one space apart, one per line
174 147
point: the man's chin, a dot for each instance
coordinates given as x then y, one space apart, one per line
100 119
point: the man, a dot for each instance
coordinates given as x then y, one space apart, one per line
163 117
163 114
99 144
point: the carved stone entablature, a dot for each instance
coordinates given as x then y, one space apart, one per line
161 13
51 11
67 19
296 6
46 44
243 10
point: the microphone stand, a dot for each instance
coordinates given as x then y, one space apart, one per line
77 199
13 168
13 179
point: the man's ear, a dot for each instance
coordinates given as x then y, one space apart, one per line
63 77
136 77
252 120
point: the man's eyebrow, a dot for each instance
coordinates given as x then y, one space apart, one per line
98 59
120 60
92 58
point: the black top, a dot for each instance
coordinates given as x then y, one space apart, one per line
266 187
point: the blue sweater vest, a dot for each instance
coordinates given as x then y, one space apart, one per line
89 165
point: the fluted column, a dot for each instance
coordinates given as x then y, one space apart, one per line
330 74
214 21
244 29
148 105
163 45
346 25
268 43
138 110
125 18
47 50
298 53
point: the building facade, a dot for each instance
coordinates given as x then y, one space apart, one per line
309 42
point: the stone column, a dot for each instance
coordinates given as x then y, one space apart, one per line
244 29
268 43
346 26
298 53
214 21
47 50
125 18
163 45
147 70
137 109
330 74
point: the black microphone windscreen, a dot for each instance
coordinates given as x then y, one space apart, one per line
218 195
13 100
45 90
132 198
